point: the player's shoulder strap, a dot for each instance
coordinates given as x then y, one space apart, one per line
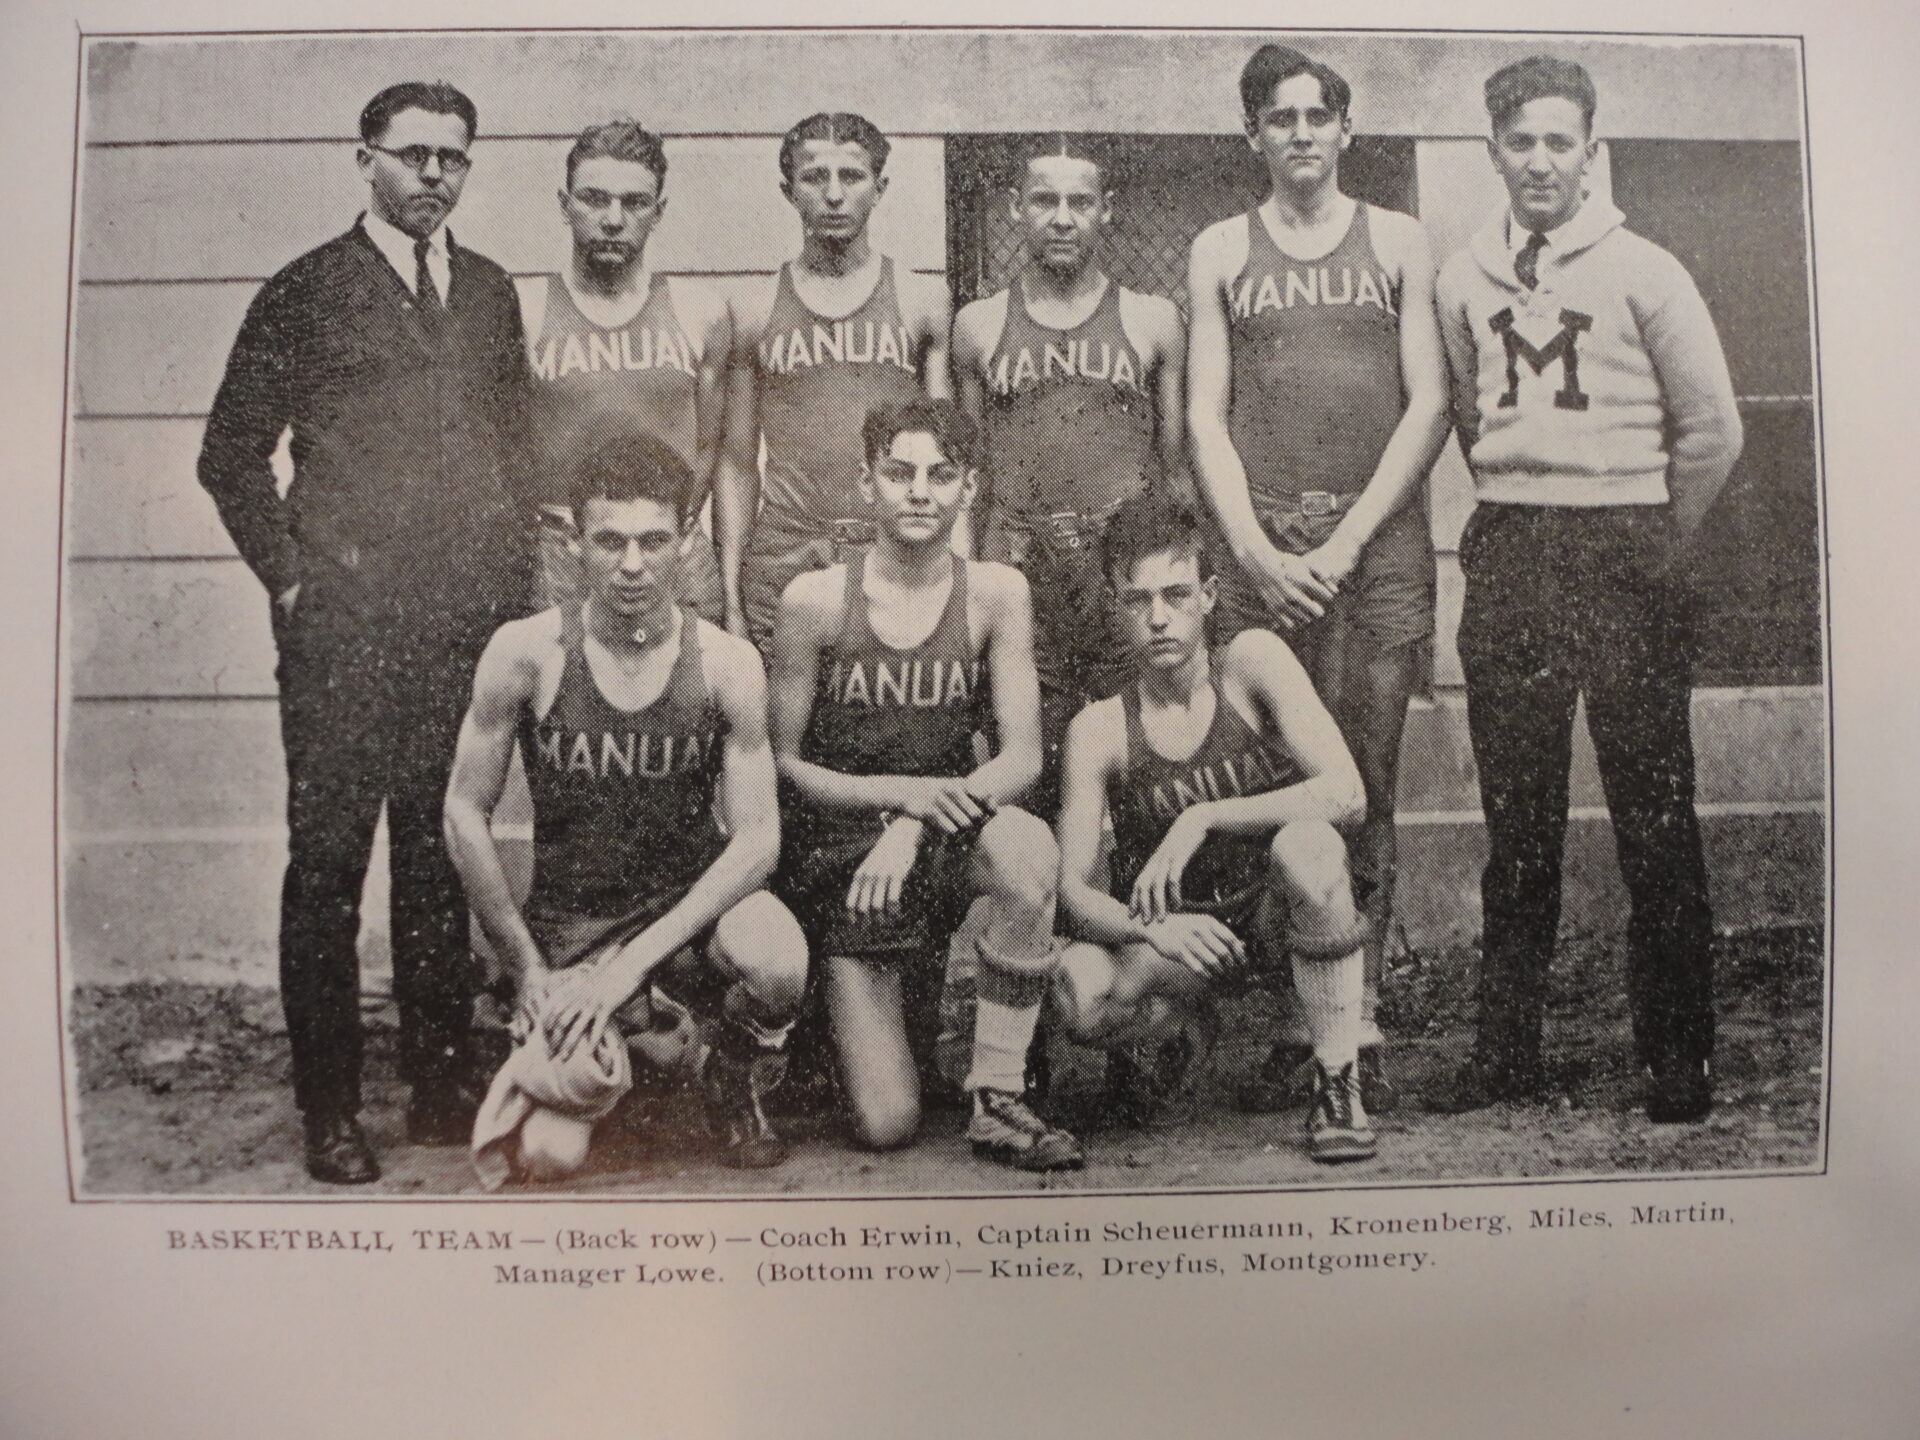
534 290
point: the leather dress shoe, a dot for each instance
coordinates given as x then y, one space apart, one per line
441 1112
1682 1092
338 1153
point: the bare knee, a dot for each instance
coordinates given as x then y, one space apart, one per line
553 1146
1083 990
889 1125
1020 862
759 943
1309 859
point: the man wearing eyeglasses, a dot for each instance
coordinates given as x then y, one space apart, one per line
395 358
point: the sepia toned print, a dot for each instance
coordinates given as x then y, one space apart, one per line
1406 332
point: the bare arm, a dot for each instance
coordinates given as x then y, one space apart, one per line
1422 430
1095 748
970 354
1016 689
1287 581
1162 341
710 400
933 322
736 495
504 686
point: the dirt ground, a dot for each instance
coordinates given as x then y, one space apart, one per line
182 1090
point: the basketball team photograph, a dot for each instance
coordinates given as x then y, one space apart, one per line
676 613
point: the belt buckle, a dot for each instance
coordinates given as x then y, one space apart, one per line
1068 528
1318 502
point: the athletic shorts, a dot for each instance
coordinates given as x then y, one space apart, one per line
814 880
562 580
782 546
1387 601
569 940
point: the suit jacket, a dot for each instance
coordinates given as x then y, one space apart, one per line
407 434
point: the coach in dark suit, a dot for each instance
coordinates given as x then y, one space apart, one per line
396 359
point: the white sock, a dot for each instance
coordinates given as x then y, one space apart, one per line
1001 1035
1329 991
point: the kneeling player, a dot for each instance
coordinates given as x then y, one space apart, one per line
632 715
1224 777
882 669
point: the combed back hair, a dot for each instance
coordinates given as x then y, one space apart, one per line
951 427
1063 143
630 465
840 128
621 139
1146 525
1272 64
1539 77
436 97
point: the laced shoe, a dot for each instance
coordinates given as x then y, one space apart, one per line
1337 1128
1006 1130
736 1092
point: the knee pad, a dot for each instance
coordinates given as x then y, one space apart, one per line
1037 967
1308 944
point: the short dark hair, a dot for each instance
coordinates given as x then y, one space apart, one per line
1539 77
630 465
622 139
436 97
841 128
1147 524
1066 144
1272 64
951 426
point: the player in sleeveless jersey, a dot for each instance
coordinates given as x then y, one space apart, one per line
1079 384
1225 779
884 670
633 716
838 331
617 347
1317 406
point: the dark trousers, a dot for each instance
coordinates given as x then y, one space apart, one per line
372 694
1563 603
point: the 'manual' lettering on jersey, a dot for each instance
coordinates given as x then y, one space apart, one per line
1564 347
846 342
628 755
1067 360
1253 773
606 350
917 684
1315 285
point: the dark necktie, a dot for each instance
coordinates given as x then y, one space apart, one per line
424 289
1526 264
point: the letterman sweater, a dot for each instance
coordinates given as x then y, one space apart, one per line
1605 385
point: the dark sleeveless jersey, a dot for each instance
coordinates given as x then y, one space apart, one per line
591 382
622 799
1147 796
882 711
1316 363
818 379
1070 415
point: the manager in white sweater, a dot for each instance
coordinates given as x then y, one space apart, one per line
1594 406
